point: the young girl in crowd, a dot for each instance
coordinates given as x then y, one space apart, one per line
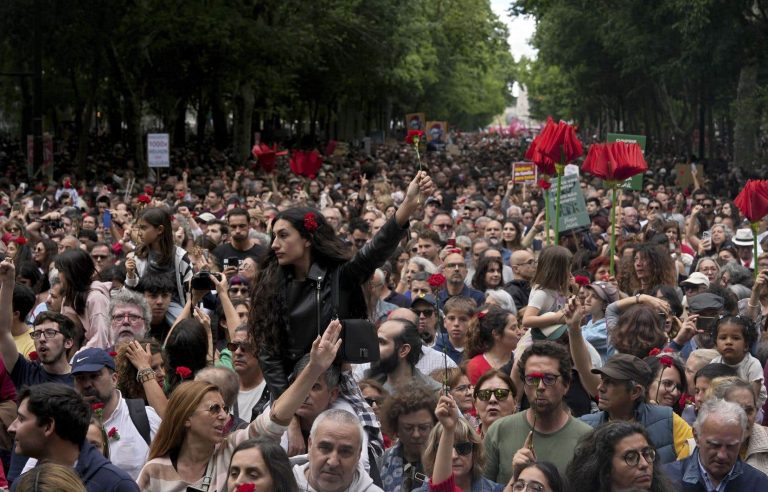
548 297
492 340
158 254
733 335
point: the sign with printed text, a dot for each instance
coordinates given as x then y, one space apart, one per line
158 150
573 207
415 121
636 181
524 172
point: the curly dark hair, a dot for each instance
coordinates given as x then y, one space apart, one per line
481 334
408 398
485 263
591 467
268 307
638 331
748 330
548 349
126 372
660 265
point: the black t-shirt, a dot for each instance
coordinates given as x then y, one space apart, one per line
29 373
226 250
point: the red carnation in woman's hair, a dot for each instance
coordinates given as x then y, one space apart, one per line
20 240
145 199
183 372
33 356
654 352
480 314
581 280
436 280
310 223
246 487
666 361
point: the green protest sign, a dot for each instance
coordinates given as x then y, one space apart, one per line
573 208
636 181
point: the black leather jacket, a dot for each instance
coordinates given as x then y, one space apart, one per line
310 307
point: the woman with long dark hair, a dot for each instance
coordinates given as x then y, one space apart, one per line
489 274
616 456
157 254
268 460
492 340
292 299
86 297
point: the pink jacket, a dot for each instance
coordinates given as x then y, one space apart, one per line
95 319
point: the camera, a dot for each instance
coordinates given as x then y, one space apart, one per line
232 261
202 280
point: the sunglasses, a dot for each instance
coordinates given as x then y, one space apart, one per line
377 401
243 346
546 379
216 409
501 394
428 313
463 448
239 290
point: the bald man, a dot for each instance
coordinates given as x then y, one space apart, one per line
523 265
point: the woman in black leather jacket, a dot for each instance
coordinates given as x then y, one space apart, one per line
292 299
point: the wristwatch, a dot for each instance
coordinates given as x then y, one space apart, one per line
637 298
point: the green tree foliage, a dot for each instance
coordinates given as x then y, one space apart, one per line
666 68
313 66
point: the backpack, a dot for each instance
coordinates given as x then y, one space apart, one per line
138 413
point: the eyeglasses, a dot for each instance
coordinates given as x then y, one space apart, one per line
546 379
654 207
99 257
463 388
632 458
238 290
454 266
501 394
428 313
216 409
243 346
523 486
463 448
422 428
670 385
374 400
132 318
48 333
443 226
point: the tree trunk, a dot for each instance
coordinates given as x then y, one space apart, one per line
746 118
241 129
220 131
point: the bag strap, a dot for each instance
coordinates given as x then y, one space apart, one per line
138 414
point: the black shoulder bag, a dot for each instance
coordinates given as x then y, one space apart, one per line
359 341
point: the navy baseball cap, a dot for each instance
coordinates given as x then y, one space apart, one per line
91 360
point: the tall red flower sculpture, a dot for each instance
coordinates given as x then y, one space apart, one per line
614 162
550 151
266 156
306 163
752 202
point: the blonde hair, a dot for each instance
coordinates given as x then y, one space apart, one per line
50 477
463 433
183 403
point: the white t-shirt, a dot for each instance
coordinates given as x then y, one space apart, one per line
749 369
546 300
248 399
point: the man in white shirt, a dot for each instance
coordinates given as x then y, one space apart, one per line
246 365
96 381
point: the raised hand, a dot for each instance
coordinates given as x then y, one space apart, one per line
7 271
324 348
446 412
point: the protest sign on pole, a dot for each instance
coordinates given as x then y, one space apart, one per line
636 181
524 172
158 150
573 207
415 121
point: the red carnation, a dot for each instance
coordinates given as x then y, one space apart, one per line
581 280
414 137
480 314
145 199
310 223
436 280
544 184
752 202
117 248
666 361
183 372
654 352
113 434
33 356
113 354
246 487
266 156
21 240
557 143
97 406
149 189
615 161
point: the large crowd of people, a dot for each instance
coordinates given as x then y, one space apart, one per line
392 323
